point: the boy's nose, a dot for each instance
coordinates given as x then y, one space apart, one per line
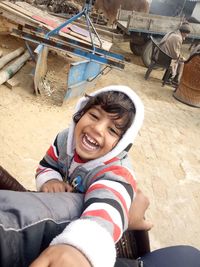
99 127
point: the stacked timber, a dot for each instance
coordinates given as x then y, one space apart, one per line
9 71
21 13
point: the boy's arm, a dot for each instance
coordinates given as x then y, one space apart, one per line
65 255
62 256
48 167
137 211
104 218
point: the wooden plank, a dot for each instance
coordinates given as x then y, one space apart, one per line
106 32
154 23
5 6
15 17
5 26
123 25
24 13
72 35
123 15
75 30
13 82
23 8
10 56
40 70
52 23
8 72
28 32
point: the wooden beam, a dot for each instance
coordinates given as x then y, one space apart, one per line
13 68
7 58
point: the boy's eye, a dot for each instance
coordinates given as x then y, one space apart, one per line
114 131
93 115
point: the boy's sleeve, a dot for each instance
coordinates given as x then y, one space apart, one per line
104 218
48 166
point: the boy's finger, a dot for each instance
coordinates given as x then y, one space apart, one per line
68 188
141 225
41 261
147 225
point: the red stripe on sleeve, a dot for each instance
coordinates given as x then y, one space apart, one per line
120 171
111 160
38 169
103 214
102 186
51 153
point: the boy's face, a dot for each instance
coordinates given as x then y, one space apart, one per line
96 134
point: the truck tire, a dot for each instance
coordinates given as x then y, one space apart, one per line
146 53
136 49
137 43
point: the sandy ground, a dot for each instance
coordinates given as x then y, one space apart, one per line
165 155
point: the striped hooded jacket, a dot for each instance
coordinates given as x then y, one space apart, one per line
107 182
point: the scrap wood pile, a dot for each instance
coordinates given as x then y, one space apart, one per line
67 8
9 70
57 6
23 15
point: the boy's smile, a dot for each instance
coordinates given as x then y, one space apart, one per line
96 133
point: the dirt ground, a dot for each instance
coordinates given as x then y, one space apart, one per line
165 155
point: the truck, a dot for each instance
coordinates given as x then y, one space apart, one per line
140 26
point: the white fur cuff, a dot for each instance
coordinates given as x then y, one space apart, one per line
91 239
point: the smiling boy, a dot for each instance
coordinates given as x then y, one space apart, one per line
96 134
91 158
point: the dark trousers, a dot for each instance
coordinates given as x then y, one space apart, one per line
176 256
183 256
29 221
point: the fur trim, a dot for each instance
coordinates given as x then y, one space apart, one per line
91 239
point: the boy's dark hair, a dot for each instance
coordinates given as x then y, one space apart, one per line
113 102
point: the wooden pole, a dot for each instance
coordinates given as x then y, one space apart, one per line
13 68
41 68
5 59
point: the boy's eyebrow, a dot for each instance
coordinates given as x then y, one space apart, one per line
111 115
97 107
100 109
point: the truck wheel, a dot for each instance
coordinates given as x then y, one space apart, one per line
137 43
136 49
146 53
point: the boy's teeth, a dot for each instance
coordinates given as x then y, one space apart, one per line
90 143
91 140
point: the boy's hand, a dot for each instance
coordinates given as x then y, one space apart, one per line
62 256
54 185
137 213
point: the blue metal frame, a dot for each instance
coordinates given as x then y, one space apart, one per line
81 76
85 12
79 51
77 43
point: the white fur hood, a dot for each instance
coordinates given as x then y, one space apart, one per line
129 136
